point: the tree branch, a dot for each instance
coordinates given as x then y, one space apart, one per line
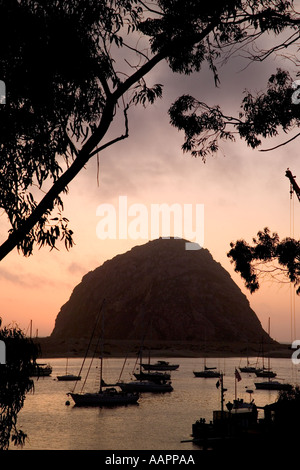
90 147
280 145
117 139
60 184
151 9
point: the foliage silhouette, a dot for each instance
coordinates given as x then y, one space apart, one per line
15 383
63 66
268 255
261 116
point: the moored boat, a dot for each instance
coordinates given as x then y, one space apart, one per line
250 369
265 373
206 373
240 403
145 386
105 397
68 377
272 385
41 370
154 376
160 365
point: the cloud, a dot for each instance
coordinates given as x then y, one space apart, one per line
76 268
28 279
6 275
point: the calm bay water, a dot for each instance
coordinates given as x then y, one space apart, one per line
159 422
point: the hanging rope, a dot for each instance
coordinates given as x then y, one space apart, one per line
292 289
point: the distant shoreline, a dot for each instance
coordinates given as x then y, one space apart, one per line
121 348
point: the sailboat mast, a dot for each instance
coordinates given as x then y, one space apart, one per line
235 386
149 351
269 354
102 345
141 358
204 362
102 352
101 367
222 394
263 354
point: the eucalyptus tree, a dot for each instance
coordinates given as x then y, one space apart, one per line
72 67
15 383
267 256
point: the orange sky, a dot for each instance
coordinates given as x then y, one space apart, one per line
242 190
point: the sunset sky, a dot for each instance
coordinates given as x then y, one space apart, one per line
242 190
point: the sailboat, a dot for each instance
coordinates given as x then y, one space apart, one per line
106 395
268 373
146 386
151 381
272 385
40 370
207 372
68 377
154 376
160 365
249 369
265 371
150 373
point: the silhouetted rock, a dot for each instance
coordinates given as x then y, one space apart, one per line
164 291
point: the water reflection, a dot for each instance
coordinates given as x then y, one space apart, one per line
159 422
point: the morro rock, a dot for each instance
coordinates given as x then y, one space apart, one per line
162 291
